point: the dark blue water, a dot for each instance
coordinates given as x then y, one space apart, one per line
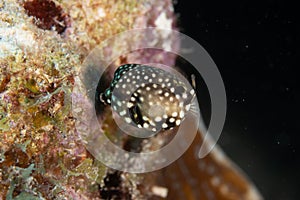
254 46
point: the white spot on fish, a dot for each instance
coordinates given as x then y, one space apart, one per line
174 114
146 125
157 119
129 105
122 113
172 120
181 114
164 125
128 120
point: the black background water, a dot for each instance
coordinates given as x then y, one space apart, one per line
254 47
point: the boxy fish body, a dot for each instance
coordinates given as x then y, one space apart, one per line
149 97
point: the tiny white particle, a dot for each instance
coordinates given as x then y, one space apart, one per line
169 84
138 77
128 80
108 101
139 91
172 90
150 80
128 92
165 116
184 95
153 75
148 88
141 99
117 86
115 107
154 129
154 86
172 119
160 191
139 126
167 94
167 80
130 74
163 85
164 125
160 91
150 103
178 122
181 104
132 99
160 80
100 13
177 96
146 77
143 84
174 114
171 99
124 86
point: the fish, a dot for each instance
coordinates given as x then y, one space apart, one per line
212 177
149 97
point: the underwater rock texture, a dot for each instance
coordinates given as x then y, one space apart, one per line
42 47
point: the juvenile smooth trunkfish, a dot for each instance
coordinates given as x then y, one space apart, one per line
149 97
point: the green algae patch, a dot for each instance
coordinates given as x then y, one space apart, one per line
26 196
40 120
4 125
94 170
18 178
32 86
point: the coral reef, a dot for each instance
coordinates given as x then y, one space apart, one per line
42 47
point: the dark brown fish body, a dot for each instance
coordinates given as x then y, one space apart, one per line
149 97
